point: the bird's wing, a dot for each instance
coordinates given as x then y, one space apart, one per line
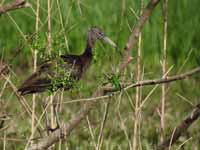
41 79
43 71
38 81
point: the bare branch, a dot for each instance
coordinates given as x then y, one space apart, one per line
127 58
181 129
14 5
157 81
65 131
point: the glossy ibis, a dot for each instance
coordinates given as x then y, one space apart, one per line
74 65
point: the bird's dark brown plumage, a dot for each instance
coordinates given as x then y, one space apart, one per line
76 65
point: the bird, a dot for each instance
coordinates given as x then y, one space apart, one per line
73 67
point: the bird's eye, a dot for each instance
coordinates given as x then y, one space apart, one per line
100 33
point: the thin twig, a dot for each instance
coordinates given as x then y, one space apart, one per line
35 68
100 138
91 133
62 24
4 140
180 146
138 89
164 68
157 81
12 139
123 127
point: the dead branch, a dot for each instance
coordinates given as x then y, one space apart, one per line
127 58
14 5
181 129
112 91
65 131
157 81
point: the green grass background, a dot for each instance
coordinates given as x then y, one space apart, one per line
183 39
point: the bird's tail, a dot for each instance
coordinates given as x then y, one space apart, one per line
37 86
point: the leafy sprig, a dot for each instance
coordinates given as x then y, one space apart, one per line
114 79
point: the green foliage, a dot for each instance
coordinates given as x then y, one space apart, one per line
64 81
114 79
39 44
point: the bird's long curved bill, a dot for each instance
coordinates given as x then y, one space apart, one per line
109 41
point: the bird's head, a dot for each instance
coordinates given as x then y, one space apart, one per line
96 33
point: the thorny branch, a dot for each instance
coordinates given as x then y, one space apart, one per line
14 5
181 129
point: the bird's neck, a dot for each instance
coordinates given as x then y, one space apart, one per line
90 45
86 58
91 40
87 55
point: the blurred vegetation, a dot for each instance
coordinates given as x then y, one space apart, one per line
115 18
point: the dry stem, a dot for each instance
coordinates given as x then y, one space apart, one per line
162 121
